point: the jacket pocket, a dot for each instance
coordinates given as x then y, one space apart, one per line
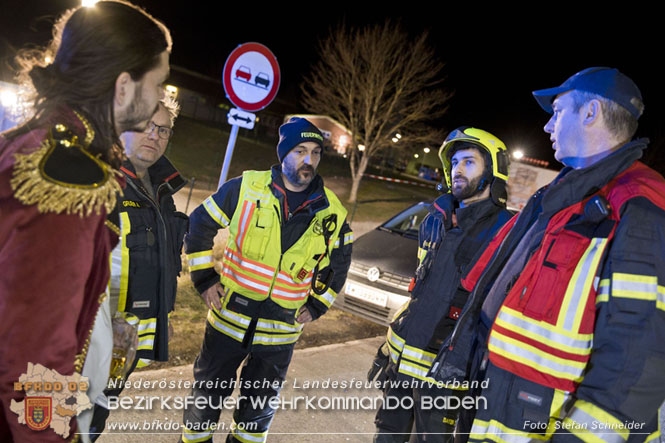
554 268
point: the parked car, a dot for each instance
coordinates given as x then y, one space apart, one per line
383 262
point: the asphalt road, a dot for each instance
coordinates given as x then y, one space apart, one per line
333 413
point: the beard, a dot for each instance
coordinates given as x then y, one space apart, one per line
469 189
299 177
138 113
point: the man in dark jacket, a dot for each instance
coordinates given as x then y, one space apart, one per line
567 313
286 258
458 227
146 262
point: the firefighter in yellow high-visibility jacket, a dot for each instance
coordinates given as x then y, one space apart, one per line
286 258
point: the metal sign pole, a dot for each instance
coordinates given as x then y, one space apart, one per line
228 155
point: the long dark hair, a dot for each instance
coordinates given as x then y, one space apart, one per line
91 47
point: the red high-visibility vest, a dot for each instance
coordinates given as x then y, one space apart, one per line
543 331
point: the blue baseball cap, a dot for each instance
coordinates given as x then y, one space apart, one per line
606 82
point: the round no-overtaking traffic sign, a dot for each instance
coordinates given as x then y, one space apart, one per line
251 77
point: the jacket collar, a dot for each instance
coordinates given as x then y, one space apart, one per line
162 171
469 215
316 200
574 185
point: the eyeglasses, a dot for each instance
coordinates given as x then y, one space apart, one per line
164 132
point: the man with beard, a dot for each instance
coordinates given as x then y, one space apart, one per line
286 258
460 224
566 316
57 184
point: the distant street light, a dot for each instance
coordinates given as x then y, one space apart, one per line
88 3
518 154
395 139
398 135
361 148
8 98
426 149
415 156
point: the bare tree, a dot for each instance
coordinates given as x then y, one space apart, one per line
377 81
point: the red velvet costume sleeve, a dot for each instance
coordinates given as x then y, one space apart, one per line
53 269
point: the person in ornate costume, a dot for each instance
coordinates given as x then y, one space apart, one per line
58 181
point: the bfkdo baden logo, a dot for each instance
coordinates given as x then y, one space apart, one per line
51 399
38 412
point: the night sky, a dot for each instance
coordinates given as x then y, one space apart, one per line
494 56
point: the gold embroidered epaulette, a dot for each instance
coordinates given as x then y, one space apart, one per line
62 176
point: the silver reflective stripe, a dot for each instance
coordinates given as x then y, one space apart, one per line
416 354
264 198
239 261
263 288
581 291
632 286
535 359
200 260
395 340
272 339
328 296
144 327
297 296
590 424
221 327
415 371
191 436
259 438
214 212
236 318
267 324
543 332
480 429
286 278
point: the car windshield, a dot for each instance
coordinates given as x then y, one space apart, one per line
408 221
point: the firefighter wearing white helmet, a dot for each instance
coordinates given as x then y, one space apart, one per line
460 224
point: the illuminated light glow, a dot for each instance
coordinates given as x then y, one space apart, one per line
361 148
518 154
415 156
172 89
426 149
395 139
8 98
343 140
88 3
48 60
398 136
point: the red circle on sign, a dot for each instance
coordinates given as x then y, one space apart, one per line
228 67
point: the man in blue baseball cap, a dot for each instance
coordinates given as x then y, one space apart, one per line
566 316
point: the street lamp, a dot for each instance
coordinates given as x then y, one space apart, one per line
88 3
426 149
361 148
415 156
518 154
